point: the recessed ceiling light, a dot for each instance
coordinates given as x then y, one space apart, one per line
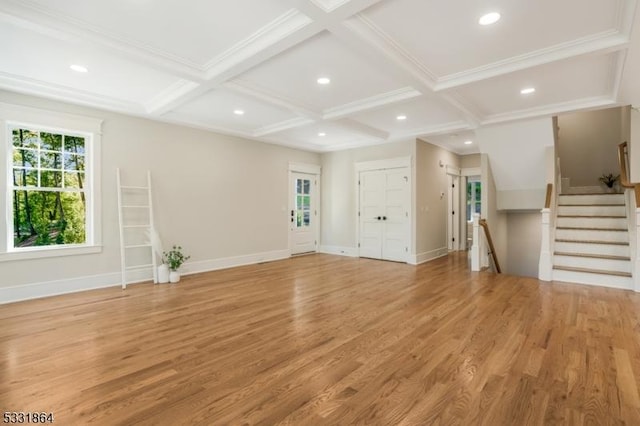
238 112
401 117
528 90
321 134
79 68
489 18
324 80
468 142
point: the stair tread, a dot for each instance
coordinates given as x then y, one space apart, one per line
580 228
593 205
591 271
615 243
591 255
596 193
578 216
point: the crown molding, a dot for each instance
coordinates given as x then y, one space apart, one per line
362 128
44 89
617 72
625 16
372 102
275 31
329 5
281 126
551 109
605 41
176 91
246 88
433 130
36 15
377 38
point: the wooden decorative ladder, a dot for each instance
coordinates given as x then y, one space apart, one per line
138 239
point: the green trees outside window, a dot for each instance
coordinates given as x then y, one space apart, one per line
48 188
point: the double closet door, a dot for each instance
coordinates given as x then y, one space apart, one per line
384 224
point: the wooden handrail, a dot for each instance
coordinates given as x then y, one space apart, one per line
492 252
547 201
624 172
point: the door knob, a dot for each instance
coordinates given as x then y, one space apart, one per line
384 218
378 218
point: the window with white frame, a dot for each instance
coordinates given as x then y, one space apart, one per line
52 183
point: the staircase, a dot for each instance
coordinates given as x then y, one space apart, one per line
592 240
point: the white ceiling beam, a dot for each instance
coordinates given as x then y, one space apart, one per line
281 126
246 88
549 110
35 87
598 43
364 129
370 103
362 32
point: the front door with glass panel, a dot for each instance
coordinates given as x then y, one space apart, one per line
303 213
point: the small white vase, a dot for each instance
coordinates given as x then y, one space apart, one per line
174 277
163 274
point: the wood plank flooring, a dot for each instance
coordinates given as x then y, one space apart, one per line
327 340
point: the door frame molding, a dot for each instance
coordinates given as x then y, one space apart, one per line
310 169
453 204
389 163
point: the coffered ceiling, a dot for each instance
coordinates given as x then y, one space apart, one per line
398 69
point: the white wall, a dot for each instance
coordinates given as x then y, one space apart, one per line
217 196
588 144
517 153
431 209
523 242
634 146
496 219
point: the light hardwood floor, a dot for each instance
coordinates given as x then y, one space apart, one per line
331 340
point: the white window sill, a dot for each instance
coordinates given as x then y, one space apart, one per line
51 251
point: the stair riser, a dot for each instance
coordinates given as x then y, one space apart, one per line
591 210
592 222
593 279
602 249
582 235
592 199
593 263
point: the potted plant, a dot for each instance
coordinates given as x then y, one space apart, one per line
609 180
174 258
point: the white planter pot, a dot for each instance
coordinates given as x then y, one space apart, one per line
163 274
174 276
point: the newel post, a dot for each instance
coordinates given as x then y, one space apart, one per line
545 265
475 247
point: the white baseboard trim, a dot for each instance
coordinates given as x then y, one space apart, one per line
427 256
231 262
340 251
112 279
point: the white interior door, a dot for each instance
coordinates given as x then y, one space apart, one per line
372 205
453 212
384 214
303 213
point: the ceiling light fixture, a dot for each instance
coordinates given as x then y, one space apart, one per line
79 68
321 134
528 90
468 142
489 18
238 112
401 117
324 80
